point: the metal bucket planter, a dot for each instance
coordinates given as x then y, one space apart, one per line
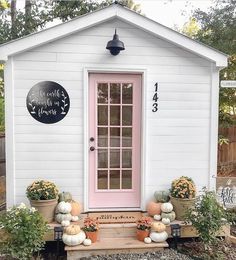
181 206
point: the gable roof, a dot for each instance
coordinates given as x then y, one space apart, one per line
105 14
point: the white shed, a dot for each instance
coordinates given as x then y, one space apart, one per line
130 123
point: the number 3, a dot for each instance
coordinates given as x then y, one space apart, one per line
155 107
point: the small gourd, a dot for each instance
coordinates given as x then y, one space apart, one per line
171 215
165 221
166 207
158 227
72 230
60 217
159 237
65 196
64 207
65 223
161 196
74 240
87 242
147 240
74 218
154 208
157 217
75 208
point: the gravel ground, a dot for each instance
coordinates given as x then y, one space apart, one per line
167 254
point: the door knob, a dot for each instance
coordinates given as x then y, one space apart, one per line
91 139
92 148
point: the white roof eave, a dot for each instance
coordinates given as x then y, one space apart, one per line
97 17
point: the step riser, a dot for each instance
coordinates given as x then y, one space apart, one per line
117 232
74 255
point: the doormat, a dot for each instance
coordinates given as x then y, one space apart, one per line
116 217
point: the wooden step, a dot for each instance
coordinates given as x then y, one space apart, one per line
109 246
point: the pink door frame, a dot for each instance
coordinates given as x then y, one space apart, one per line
131 198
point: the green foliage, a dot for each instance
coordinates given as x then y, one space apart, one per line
24 232
191 28
208 217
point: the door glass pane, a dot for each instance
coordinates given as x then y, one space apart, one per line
102 137
127 158
102 93
114 158
115 115
102 115
115 179
126 137
115 137
102 158
127 93
127 115
102 180
126 179
115 93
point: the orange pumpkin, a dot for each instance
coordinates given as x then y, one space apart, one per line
76 208
154 208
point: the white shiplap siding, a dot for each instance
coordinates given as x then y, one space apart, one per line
177 135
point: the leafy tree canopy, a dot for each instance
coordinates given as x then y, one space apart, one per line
217 28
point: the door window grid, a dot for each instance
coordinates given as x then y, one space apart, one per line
106 101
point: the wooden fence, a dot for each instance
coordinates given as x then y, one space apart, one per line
227 153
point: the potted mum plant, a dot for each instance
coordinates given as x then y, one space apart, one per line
91 226
143 228
43 195
183 193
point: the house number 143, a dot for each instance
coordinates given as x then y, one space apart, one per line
155 99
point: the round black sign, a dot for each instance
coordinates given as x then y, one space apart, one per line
48 102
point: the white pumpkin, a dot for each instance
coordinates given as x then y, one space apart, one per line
65 223
157 217
74 240
87 242
74 218
60 217
64 207
166 221
166 207
147 240
159 237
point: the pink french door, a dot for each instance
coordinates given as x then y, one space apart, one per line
114 140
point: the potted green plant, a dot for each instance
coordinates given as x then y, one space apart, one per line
43 195
143 228
183 193
91 227
24 231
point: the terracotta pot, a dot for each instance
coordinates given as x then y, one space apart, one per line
93 236
46 208
181 206
141 234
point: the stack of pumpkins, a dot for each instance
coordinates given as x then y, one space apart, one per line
67 210
158 232
162 210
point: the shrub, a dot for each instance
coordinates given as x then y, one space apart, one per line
207 216
24 230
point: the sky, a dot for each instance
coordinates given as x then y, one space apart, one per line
172 13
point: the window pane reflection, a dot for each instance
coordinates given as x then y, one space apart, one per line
127 137
102 158
115 136
126 179
102 180
114 158
127 158
127 115
102 93
115 115
102 115
115 179
115 93
127 93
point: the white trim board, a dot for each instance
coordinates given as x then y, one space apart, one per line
9 131
101 69
105 14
